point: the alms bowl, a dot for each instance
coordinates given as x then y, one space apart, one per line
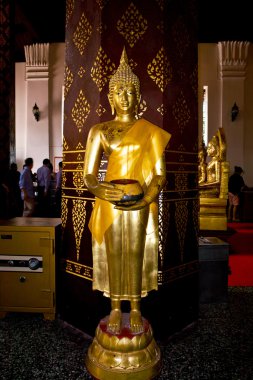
133 191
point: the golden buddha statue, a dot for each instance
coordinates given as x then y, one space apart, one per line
124 220
214 185
202 153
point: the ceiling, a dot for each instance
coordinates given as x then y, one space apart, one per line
217 21
37 22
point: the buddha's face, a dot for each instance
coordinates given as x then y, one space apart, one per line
211 149
125 99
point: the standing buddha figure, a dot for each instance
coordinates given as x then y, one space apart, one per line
124 225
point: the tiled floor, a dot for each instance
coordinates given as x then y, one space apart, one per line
218 346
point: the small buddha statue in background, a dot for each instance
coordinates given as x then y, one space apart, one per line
216 152
202 153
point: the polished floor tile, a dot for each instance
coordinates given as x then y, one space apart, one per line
218 346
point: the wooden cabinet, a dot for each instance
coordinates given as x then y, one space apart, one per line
28 247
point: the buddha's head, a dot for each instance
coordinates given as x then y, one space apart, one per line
124 78
213 147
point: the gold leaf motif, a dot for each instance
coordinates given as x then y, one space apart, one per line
79 167
142 108
181 148
102 69
78 181
101 3
81 72
195 216
100 110
79 146
181 36
132 25
69 9
181 182
161 4
160 27
181 112
101 28
163 224
79 157
181 217
80 111
162 110
64 211
64 178
82 34
78 218
160 70
68 80
65 145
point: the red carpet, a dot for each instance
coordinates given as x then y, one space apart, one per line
241 254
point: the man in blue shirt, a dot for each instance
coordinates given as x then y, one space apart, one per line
44 180
26 187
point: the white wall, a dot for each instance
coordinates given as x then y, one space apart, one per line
239 134
208 76
42 139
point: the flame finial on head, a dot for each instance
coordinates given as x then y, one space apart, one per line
123 75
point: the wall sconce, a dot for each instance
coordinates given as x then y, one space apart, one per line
36 112
234 112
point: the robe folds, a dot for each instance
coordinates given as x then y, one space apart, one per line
134 158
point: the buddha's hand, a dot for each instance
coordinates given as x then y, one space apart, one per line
103 190
133 207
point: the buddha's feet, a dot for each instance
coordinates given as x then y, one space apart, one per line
114 321
136 323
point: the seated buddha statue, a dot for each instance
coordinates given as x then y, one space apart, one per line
202 163
216 152
213 184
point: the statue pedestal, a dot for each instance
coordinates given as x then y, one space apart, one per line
213 214
125 355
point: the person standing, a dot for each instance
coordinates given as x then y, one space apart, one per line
44 181
26 187
235 185
15 201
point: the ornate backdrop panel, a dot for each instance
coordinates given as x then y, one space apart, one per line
161 43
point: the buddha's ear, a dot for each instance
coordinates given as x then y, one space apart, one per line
111 104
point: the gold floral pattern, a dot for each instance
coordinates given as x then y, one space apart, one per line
81 71
64 211
80 111
132 25
78 218
160 70
69 9
82 34
102 69
68 80
78 180
181 112
100 110
181 217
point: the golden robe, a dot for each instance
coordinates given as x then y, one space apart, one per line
134 158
